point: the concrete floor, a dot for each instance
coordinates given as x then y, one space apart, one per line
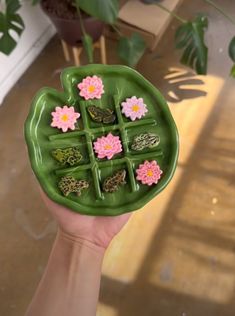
182 244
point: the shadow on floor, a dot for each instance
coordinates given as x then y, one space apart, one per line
182 85
209 172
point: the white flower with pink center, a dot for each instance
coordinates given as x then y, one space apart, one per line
91 88
149 172
107 146
134 108
64 118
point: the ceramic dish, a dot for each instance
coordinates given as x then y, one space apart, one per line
70 164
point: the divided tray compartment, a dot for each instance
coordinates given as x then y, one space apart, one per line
120 82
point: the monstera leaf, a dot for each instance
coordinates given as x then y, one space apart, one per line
10 21
231 51
45 142
190 38
105 10
130 50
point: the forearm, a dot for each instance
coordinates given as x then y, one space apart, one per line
70 285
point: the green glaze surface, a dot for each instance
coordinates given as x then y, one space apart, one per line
120 82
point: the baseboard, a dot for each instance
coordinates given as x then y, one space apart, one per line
25 62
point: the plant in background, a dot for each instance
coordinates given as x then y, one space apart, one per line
231 51
9 21
189 36
129 49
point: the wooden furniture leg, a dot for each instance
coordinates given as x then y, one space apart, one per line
103 50
78 50
76 55
65 50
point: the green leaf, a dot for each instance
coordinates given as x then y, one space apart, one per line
10 21
12 6
88 46
190 38
105 10
232 72
131 49
7 44
231 49
34 2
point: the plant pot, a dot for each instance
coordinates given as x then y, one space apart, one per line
70 31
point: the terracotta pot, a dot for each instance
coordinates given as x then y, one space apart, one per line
70 30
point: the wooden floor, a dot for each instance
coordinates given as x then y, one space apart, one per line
175 257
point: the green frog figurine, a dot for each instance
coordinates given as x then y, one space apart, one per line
145 140
100 115
70 155
111 184
69 184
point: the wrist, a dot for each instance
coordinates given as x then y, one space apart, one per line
81 242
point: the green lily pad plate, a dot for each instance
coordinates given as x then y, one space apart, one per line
120 82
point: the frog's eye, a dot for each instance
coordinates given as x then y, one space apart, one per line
91 108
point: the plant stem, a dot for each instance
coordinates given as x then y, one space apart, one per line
80 20
116 29
171 13
218 8
86 39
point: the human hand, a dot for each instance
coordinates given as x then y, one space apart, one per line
98 230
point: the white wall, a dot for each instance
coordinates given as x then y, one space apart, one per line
38 31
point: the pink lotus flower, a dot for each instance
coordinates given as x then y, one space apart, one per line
149 172
64 118
91 88
134 108
107 146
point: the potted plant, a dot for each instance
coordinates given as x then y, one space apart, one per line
76 21
189 35
64 15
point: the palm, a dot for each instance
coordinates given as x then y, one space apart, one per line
97 229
